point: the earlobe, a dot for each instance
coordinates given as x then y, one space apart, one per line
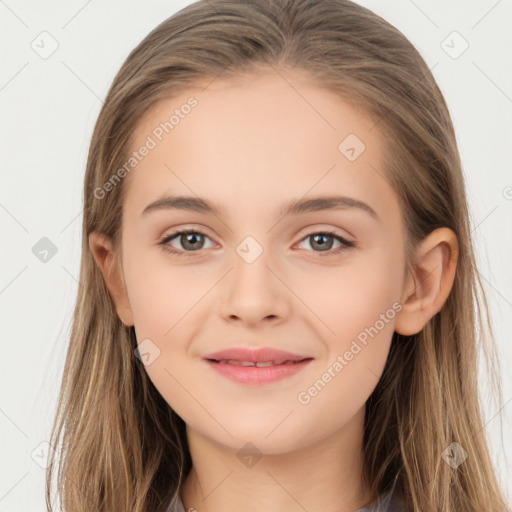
108 263
427 286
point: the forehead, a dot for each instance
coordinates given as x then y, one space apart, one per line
257 137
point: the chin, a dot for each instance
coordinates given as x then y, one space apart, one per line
264 437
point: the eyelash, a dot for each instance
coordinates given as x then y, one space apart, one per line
346 244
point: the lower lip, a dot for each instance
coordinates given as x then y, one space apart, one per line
258 375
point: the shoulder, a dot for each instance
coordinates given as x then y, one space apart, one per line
387 502
176 505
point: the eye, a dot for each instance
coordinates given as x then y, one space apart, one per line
324 241
191 240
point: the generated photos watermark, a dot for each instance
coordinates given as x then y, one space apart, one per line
151 142
342 360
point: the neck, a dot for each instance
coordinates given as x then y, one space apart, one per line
325 476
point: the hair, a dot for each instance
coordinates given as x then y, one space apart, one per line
123 447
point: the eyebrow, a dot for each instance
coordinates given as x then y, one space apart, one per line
294 207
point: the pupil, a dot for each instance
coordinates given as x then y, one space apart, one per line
322 243
190 238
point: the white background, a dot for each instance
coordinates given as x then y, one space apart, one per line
48 109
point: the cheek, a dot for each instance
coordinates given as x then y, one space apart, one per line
162 298
360 311
354 296
161 295
359 304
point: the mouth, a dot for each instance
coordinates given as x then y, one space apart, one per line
256 367
258 364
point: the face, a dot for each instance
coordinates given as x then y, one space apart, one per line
322 282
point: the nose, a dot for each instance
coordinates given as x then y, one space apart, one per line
253 293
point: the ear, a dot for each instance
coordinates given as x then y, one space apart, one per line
108 262
428 286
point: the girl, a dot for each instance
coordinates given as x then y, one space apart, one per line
317 349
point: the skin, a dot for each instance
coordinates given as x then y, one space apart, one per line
250 145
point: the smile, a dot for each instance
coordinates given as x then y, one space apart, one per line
259 364
257 373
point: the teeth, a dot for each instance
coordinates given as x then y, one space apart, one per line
259 364
267 363
241 363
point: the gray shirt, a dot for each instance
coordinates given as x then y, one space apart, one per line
387 502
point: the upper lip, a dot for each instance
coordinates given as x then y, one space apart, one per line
256 355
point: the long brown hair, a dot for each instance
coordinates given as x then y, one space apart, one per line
123 447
